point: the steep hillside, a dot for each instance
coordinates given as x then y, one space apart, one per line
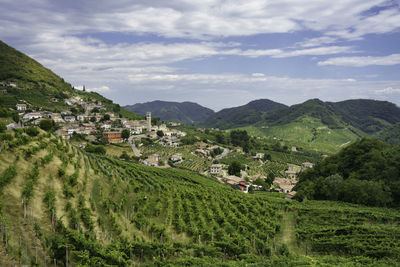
369 116
390 134
244 115
366 172
38 86
107 211
59 204
186 112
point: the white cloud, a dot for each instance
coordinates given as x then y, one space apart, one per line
362 61
387 91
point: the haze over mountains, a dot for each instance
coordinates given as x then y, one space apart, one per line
186 112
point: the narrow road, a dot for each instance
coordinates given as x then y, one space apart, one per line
135 150
223 154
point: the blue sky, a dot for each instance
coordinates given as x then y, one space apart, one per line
219 53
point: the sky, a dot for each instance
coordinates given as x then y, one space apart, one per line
218 53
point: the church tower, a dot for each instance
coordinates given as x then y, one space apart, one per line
148 118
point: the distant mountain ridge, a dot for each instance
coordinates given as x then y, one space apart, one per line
369 116
243 115
186 112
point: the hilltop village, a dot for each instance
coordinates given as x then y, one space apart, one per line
88 123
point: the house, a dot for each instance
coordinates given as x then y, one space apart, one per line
259 156
69 118
72 130
21 107
105 126
307 165
81 117
174 124
284 185
68 102
113 137
152 160
66 112
290 195
291 174
12 84
136 130
244 186
176 158
33 115
257 176
215 169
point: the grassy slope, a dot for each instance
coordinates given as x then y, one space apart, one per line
300 133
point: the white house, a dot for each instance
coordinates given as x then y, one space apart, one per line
34 115
69 118
215 169
176 158
21 107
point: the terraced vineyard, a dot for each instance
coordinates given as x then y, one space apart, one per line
61 204
192 162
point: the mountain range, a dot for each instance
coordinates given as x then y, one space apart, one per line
186 112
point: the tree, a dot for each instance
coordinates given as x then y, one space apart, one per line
160 133
106 117
125 134
267 157
124 156
240 138
220 138
46 125
3 127
93 119
32 131
234 168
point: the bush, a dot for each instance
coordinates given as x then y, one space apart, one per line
32 131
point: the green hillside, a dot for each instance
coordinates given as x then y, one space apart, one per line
390 134
112 211
37 85
94 210
241 116
185 112
366 172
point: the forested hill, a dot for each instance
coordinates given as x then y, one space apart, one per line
366 172
187 112
369 116
244 115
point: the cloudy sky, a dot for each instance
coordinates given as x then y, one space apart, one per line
219 53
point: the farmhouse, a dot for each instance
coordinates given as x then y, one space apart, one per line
34 115
176 158
21 107
215 169
259 156
307 165
152 160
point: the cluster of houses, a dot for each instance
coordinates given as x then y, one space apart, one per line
280 184
205 151
93 120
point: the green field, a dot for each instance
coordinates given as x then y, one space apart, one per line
307 133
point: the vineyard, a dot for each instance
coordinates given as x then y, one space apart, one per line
60 205
192 162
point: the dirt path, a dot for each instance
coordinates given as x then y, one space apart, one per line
288 234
